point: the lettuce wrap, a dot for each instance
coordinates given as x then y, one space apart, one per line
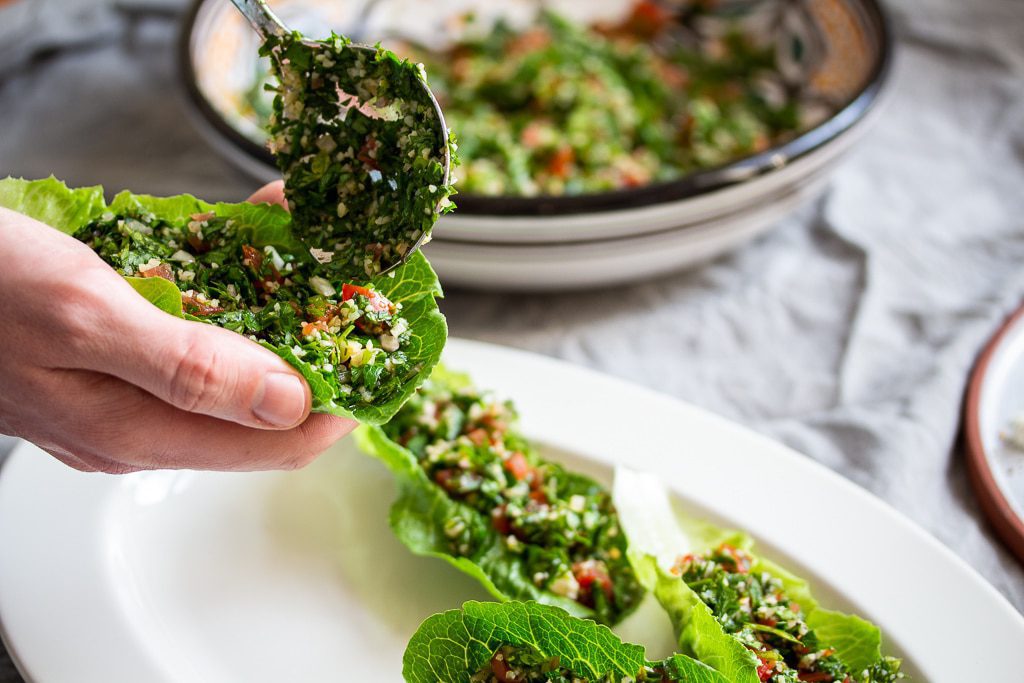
527 642
737 612
363 347
475 493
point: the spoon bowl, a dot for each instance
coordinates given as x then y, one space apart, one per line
271 29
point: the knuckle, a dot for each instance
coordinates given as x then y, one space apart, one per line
76 307
199 378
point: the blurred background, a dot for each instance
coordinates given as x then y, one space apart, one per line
828 279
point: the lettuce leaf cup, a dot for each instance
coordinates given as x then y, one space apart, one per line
527 642
363 346
741 614
474 492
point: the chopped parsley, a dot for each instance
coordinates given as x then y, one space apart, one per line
753 607
363 150
561 525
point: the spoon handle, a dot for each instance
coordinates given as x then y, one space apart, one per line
263 20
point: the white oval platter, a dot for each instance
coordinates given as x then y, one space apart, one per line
294 576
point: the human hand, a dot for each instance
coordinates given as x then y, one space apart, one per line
104 381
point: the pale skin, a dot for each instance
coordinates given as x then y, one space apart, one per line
104 381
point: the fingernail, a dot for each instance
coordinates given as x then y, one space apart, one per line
282 401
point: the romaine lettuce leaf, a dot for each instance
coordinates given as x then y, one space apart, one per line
418 519
414 285
463 530
52 202
856 642
453 646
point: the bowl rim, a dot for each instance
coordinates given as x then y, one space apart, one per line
690 185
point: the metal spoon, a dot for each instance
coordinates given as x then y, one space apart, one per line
267 25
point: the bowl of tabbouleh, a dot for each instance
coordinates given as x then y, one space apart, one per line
609 121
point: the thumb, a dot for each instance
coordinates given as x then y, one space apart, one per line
196 367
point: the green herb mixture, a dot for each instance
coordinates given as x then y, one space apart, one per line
353 335
534 529
524 664
565 109
755 608
363 150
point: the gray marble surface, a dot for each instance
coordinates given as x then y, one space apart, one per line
848 332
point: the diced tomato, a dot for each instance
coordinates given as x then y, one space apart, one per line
528 41
517 466
770 622
446 478
368 153
592 574
309 328
163 271
479 437
539 497
560 165
199 245
193 306
378 301
500 521
740 559
765 669
531 137
502 671
815 677
252 257
648 19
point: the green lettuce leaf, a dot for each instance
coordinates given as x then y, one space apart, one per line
418 519
454 645
52 202
415 284
650 523
162 293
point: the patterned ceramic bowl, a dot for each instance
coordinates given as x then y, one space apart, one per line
832 59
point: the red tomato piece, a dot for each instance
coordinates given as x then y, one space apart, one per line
378 301
765 669
193 306
591 574
162 271
560 164
517 466
500 521
252 257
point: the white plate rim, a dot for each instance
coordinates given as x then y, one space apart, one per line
913 608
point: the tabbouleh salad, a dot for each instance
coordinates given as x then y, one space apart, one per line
363 150
754 608
561 525
562 108
523 664
352 334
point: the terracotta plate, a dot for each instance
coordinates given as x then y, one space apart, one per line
995 397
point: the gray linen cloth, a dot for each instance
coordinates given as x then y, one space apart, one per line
848 332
